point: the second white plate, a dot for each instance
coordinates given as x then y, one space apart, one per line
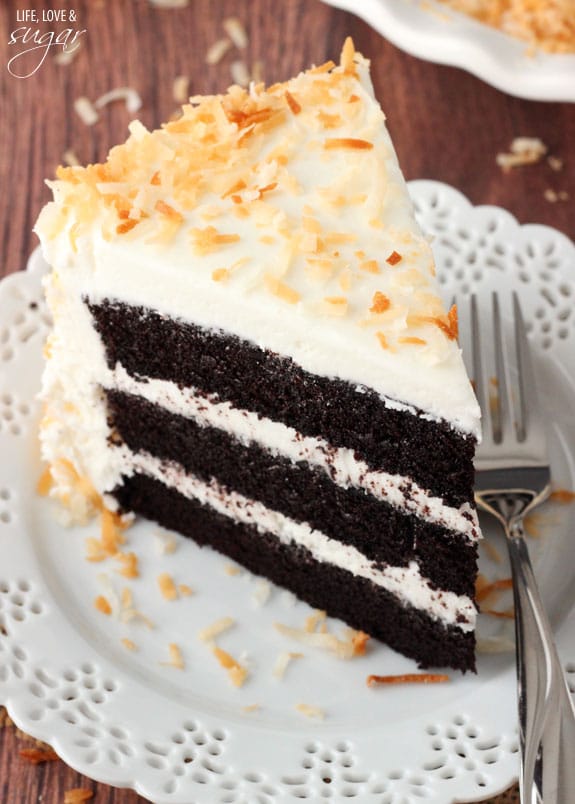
433 32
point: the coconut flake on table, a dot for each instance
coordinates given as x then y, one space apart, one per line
128 94
85 110
218 50
236 31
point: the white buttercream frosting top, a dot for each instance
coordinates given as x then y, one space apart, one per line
279 215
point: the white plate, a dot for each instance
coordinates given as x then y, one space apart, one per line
181 736
434 32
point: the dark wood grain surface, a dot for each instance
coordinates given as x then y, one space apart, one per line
446 125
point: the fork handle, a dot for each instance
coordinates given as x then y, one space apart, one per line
546 713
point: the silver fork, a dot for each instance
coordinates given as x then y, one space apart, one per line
512 476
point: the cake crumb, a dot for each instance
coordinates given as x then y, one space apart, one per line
310 711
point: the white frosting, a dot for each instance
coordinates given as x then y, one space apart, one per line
174 278
405 583
340 464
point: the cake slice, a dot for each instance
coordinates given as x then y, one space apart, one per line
249 348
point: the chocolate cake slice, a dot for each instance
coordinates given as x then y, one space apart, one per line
249 347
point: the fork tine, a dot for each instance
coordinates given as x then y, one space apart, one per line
481 387
525 375
500 403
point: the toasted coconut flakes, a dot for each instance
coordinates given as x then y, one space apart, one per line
523 151
45 482
349 143
555 163
180 86
215 629
346 58
251 708
169 3
408 678
167 586
165 542
220 275
382 340
77 795
240 73
209 239
262 592
553 196
217 51
283 661
334 306
292 103
128 94
168 211
236 31
185 590
69 158
129 565
129 644
310 711
38 755
176 658
67 55
314 620
491 551
411 339
370 266
232 569
322 68
102 605
281 290
508 614
495 586
343 649
236 673
380 303
258 71
86 111
394 258
562 496
126 226
495 645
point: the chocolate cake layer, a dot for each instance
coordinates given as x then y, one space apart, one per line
364 605
148 344
352 516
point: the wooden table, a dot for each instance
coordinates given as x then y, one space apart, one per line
446 125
